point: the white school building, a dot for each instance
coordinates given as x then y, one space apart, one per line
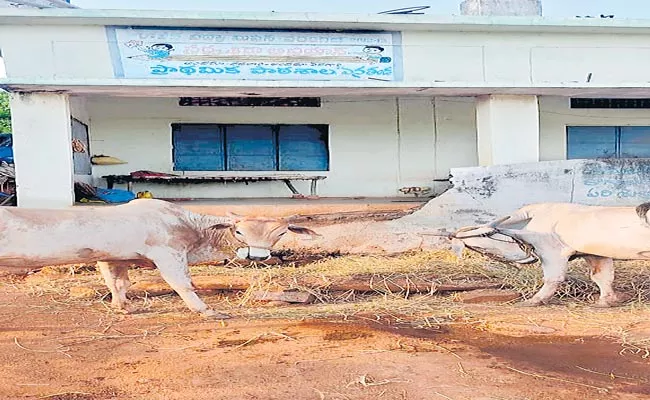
370 104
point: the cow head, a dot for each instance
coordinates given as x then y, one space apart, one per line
260 234
490 241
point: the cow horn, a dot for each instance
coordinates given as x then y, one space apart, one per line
468 228
498 222
439 232
291 218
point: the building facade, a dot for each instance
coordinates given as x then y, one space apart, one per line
375 103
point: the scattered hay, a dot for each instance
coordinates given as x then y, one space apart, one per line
386 274
422 310
632 277
333 265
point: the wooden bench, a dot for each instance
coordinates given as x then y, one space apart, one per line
111 180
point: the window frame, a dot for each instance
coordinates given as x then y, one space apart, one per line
618 131
223 129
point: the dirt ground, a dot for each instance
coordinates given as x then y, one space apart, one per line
55 347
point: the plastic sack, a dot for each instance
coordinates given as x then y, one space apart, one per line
114 195
106 160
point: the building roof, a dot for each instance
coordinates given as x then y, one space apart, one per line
35 4
262 20
236 88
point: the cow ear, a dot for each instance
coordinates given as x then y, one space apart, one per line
457 246
221 226
301 230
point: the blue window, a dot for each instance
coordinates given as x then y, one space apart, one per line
251 148
244 147
608 142
197 147
591 142
303 148
635 142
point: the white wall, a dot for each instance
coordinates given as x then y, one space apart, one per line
367 156
43 51
416 138
364 139
524 58
78 109
473 58
373 152
556 115
456 144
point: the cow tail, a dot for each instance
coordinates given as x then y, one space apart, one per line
642 212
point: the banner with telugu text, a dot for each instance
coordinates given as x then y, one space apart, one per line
254 54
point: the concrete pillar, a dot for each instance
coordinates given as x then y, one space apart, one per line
416 144
42 150
513 8
507 129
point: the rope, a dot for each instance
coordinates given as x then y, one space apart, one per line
524 246
78 146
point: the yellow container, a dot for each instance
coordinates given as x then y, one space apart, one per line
144 195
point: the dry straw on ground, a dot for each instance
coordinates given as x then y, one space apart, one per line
424 310
632 277
439 267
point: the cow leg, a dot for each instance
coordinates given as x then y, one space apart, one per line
602 273
174 270
116 278
122 283
555 270
554 257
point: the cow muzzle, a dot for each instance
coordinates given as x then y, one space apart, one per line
253 253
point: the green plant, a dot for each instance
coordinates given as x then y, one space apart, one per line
5 113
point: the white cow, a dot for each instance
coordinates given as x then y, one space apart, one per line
145 231
556 233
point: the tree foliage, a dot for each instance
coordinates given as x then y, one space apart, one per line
5 113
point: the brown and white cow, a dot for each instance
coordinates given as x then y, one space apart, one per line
555 233
144 231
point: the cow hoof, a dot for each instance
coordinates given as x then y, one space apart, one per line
612 301
530 303
123 309
214 315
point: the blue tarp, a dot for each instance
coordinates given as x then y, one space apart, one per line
6 148
115 195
